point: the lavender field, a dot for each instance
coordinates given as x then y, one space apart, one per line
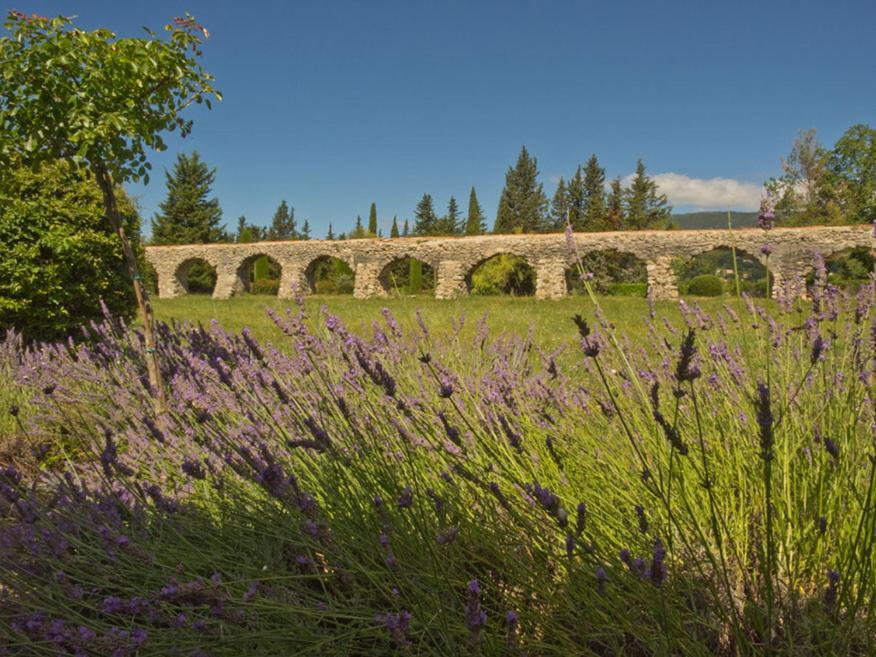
702 487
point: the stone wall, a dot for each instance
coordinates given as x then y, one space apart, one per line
454 258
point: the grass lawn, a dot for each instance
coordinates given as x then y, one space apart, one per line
549 320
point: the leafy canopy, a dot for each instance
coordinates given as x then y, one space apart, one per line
94 98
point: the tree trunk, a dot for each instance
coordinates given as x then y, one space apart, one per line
104 179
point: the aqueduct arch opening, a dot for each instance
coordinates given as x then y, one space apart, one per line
502 273
196 276
407 276
609 271
328 274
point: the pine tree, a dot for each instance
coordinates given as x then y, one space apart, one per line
594 195
372 220
359 230
449 223
425 219
476 223
283 224
330 236
577 203
523 204
305 230
644 207
393 232
241 227
560 206
615 206
188 215
406 230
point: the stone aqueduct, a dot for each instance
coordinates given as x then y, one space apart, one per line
453 258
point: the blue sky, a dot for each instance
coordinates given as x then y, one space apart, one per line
333 105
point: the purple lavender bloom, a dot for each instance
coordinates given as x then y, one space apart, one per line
570 545
601 578
767 216
764 421
831 448
643 520
766 250
830 592
581 518
193 469
822 525
446 390
475 617
406 499
448 536
658 567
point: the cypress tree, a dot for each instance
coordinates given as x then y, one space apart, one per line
476 224
560 206
645 208
358 231
393 232
305 230
425 219
615 206
241 227
372 220
330 236
577 204
523 204
594 195
406 230
188 215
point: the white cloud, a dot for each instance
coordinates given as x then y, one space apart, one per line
709 193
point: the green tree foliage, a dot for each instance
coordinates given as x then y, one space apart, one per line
425 219
594 196
476 222
188 215
450 223
560 206
100 102
798 194
359 231
330 235
851 174
523 204
406 230
503 274
283 226
614 206
372 220
59 258
393 232
305 231
577 201
644 207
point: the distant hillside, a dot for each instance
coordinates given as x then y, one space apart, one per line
694 220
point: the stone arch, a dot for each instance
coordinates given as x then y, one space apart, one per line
611 271
501 272
196 275
329 274
260 273
400 275
716 260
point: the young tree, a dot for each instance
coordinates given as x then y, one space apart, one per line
594 195
851 174
577 201
406 230
425 219
305 231
523 204
100 102
449 223
330 236
188 215
614 206
359 231
798 192
476 223
559 206
645 208
393 232
372 220
283 224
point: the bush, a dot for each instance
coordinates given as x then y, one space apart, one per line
59 258
269 286
503 274
347 495
705 285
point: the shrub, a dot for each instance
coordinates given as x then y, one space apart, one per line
59 258
705 285
503 274
269 286
430 495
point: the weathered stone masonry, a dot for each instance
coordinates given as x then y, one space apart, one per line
454 258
